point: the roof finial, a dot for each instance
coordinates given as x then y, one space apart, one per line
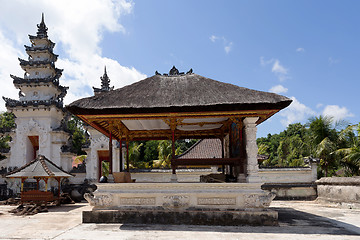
105 82
42 29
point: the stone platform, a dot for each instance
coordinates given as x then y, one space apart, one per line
181 203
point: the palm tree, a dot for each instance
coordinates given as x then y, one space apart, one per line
165 154
134 153
324 151
323 141
350 155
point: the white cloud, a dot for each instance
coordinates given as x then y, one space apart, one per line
300 49
296 112
333 60
228 47
264 62
337 112
319 105
213 38
227 44
278 89
75 26
279 70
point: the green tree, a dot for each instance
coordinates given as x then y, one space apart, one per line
7 123
323 139
78 135
165 154
134 154
151 151
350 155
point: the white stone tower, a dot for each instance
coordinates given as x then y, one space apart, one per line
39 111
98 150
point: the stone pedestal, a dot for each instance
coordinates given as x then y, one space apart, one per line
243 201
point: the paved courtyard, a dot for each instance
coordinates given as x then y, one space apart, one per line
297 220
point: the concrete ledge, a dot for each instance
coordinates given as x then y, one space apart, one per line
189 217
292 191
339 190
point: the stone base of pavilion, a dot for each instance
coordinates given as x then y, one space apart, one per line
181 203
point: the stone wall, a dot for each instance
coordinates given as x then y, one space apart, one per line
339 190
288 175
290 183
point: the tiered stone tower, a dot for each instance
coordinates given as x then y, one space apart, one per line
98 150
39 111
105 84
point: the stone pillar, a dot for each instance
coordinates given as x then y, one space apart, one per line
252 168
313 166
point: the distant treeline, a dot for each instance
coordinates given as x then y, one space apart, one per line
335 144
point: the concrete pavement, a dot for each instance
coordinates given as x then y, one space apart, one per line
297 220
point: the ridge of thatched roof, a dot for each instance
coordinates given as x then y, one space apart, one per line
178 93
39 167
204 148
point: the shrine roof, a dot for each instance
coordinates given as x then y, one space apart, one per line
39 167
204 148
178 92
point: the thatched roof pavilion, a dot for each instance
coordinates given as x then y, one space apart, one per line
174 106
178 106
179 94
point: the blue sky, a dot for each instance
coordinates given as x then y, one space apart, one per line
305 50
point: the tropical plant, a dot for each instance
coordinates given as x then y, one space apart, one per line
350 155
105 166
78 135
134 154
165 154
7 123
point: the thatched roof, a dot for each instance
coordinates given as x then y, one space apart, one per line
178 93
39 167
204 148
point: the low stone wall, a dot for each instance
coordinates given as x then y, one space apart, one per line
340 190
290 183
160 175
288 175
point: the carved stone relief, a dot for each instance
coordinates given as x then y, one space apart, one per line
216 201
137 201
176 201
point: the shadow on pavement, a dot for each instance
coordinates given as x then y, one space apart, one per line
65 207
291 221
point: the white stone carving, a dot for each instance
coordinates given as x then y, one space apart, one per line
217 201
137 201
175 201
103 200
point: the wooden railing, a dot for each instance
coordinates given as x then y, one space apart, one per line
207 161
37 196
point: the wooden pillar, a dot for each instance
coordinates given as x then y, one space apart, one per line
37 183
22 184
59 186
46 184
110 153
222 153
121 159
127 156
173 166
